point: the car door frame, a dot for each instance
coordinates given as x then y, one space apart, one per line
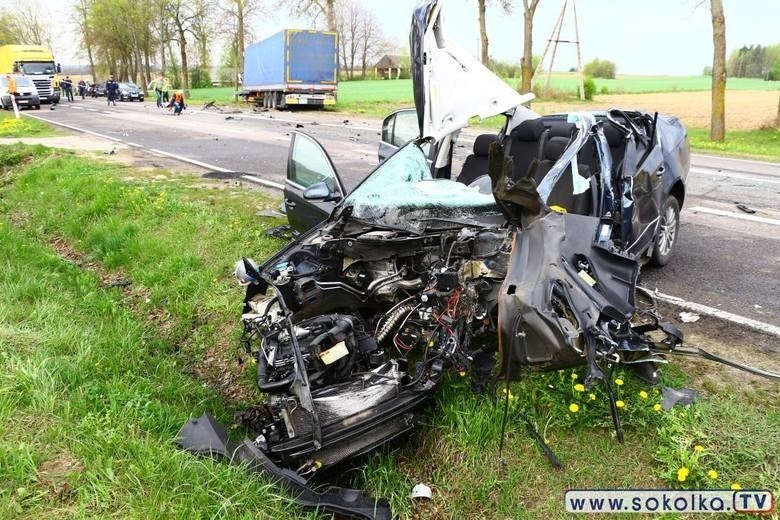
303 213
648 194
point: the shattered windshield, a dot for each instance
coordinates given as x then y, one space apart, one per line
401 193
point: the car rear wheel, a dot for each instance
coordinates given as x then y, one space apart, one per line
668 231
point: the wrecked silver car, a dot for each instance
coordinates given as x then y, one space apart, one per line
529 256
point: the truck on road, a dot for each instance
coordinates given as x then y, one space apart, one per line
35 62
292 68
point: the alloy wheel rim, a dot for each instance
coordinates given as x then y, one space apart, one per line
668 231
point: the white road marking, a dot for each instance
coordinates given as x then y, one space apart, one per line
208 166
93 110
721 157
270 184
77 108
107 112
364 151
731 214
734 176
77 129
760 326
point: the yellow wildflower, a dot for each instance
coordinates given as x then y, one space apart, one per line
504 390
682 474
592 397
643 394
712 474
574 408
657 407
579 387
735 486
573 376
620 404
698 448
619 382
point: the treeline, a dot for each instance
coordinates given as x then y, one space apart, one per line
755 61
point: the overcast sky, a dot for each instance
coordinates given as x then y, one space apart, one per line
642 36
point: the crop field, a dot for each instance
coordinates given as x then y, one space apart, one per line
119 319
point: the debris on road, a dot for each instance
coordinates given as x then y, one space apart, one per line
746 209
689 317
682 397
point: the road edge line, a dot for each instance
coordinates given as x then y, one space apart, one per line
738 216
251 178
759 326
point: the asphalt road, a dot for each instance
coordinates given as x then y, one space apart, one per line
726 258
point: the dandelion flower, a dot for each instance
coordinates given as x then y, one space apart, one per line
657 407
682 474
504 391
698 448
579 387
620 404
643 394
574 408
573 375
619 382
735 486
592 397
712 474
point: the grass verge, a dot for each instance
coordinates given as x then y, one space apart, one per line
758 144
24 126
95 380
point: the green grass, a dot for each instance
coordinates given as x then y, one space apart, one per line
24 126
758 144
95 381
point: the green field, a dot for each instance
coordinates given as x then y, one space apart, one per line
96 376
357 95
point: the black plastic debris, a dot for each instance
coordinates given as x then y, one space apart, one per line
205 436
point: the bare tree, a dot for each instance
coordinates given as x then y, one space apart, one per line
506 5
526 63
315 9
25 24
238 27
371 43
185 15
718 115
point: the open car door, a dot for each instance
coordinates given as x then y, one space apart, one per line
451 86
312 187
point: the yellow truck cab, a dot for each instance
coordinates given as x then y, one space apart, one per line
35 62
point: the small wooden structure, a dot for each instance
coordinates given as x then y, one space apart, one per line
390 66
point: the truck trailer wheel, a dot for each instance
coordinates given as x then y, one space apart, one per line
280 103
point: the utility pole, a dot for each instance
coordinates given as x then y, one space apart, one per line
555 39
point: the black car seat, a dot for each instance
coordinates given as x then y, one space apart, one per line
525 145
562 194
476 164
617 145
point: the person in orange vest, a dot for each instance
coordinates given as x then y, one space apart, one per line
177 103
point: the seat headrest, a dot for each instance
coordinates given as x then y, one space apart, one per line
482 144
529 130
561 129
554 148
613 135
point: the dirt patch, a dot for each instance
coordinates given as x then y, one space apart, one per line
745 109
56 476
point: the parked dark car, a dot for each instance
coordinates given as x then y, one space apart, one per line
97 90
527 257
130 92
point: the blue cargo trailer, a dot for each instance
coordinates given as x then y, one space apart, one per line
292 67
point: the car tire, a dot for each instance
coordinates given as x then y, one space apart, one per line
668 232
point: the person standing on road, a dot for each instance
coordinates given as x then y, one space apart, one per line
166 87
157 85
82 88
112 88
67 85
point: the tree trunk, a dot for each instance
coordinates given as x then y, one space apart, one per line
185 80
777 121
240 34
483 37
527 62
718 116
330 14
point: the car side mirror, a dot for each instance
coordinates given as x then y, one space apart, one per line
320 191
